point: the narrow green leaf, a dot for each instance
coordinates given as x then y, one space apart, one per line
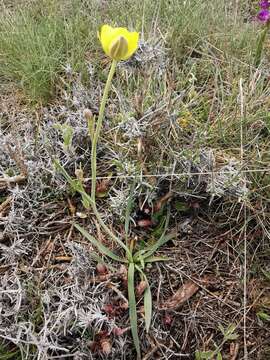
266 274
151 259
129 207
161 241
181 206
10 356
263 316
204 355
222 329
160 228
74 183
147 306
62 170
260 45
87 201
146 253
133 310
147 300
103 249
219 356
86 197
232 336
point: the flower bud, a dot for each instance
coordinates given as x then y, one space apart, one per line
79 174
87 113
89 117
118 48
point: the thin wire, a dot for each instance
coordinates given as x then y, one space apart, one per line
242 110
243 171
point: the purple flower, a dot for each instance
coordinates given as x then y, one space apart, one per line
264 4
263 16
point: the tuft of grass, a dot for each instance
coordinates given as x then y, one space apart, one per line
7 353
36 43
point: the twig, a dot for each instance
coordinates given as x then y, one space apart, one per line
4 205
5 181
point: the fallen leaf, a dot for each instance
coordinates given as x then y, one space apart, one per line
103 186
101 269
234 350
145 223
106 346
118 331
186 291
162 201
167 320
81 215
140 288
72 208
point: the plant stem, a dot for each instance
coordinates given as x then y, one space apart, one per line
97 132
94 159
261 41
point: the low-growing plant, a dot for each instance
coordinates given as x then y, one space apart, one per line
229 334
119 44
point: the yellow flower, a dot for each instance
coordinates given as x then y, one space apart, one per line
183 122
118 43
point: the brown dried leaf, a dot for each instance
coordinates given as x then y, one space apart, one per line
140 288
5 205
71 207
103 186
101 269
162 201
181 296
145 223
119 332
123 273
105 344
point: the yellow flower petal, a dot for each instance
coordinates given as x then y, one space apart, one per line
105 36
118 43
132 44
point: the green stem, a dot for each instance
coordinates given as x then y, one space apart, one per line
261 41
97 132
94 159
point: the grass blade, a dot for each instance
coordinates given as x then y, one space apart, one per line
103 249
72 182
151 259
147 301
133 310
100 260
260 44
162 240
147 306
149 251
87 201
129 208
87 198
145 253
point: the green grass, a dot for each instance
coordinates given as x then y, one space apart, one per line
37 42
38 38
8 353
